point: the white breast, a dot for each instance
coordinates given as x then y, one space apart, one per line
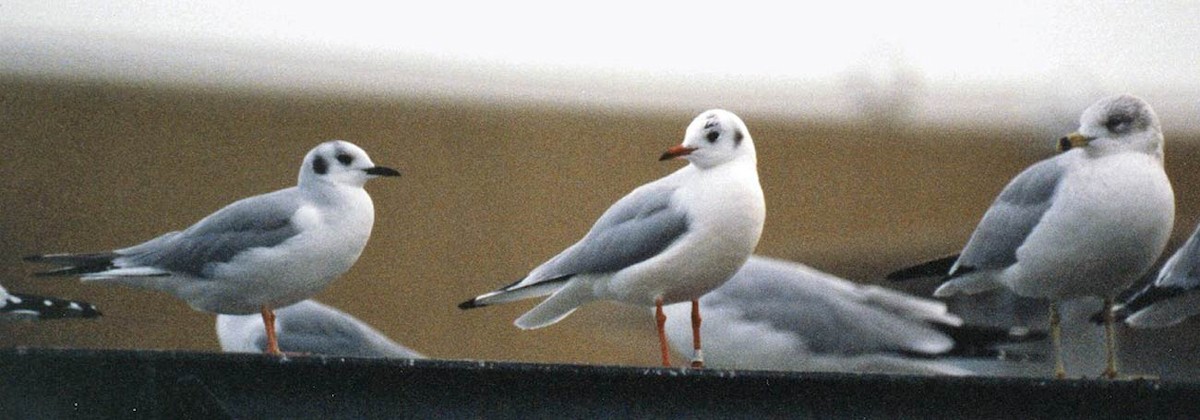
726 211
1110 222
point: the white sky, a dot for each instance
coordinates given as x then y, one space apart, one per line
1104 46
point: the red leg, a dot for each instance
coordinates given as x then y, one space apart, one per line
661 320
268 316
697 354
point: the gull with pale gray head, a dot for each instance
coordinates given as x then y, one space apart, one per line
259 253
1087 222
671 240
26 307
309 327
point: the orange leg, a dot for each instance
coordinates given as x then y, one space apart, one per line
697 354
268 316
661 320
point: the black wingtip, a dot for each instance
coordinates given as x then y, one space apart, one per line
74 264
1140 300
470 304
1119 315
73 271
980 341
936 268
45 308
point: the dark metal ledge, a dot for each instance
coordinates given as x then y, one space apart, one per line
59 383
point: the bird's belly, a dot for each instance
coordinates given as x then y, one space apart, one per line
697 264
1113 225
275 277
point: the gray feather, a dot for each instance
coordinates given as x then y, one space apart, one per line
1182 270
260 221
828 315
636 228
1012 217
310 327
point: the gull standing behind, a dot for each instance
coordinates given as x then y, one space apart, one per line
309 327
780 315
1172 297
23 307
671 240
1086 222
259 253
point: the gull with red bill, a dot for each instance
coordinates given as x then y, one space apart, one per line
668 241
259 253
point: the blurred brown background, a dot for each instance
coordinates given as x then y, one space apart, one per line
489 191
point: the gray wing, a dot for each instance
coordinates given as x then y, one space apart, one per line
1013 215
1182 270
636 228
826 314
260 221
1179 276
310 327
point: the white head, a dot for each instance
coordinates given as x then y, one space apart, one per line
1117 123
713 138
340 163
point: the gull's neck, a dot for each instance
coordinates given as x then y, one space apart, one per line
329 193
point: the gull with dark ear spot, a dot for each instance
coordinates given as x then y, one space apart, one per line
1087 222
25 307
259 253
671 240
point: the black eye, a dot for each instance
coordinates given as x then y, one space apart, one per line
712 136
320 166
738 136
345 159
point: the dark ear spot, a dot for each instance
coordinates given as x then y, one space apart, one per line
1117 123
345 159
712 136
320 166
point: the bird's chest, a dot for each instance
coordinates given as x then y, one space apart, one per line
334 238
1126 192
1112 222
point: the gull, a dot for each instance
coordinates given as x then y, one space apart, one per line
671 240
259 253
20 306
1171 297
1086 222
780 315
309 327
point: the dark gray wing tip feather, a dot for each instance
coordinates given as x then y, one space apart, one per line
1148 296
74 264
979 341
49 307
470 304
